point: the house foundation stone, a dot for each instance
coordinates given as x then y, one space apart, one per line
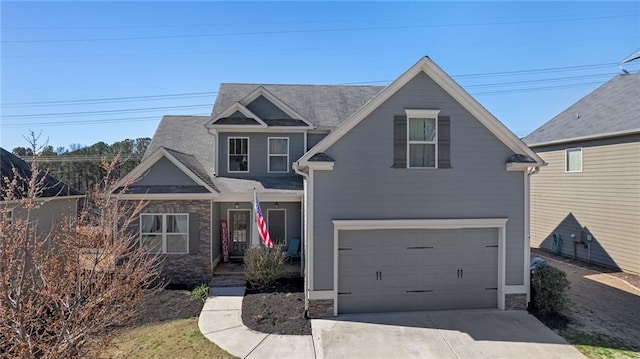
320 309
515 302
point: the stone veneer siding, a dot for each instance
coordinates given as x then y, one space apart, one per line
187 269
515 302
320 309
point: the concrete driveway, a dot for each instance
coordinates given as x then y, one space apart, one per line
446 334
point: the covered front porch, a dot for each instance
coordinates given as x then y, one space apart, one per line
234 227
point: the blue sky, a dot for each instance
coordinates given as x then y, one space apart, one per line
524 61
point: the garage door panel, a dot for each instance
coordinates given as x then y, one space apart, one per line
404 270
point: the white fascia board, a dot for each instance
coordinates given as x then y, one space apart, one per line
260 129
420 223
165 196
263 197
261 91
427 66
320 165
586 138
515 166
237 106
42 199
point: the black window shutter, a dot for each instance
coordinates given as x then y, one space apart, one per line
399 142
194 233
444 142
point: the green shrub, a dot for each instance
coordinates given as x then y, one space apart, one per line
550 285
263 267
200 292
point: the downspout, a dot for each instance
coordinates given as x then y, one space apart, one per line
304 219
527 227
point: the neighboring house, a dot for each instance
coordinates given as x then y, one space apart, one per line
407 197
55 201
586 202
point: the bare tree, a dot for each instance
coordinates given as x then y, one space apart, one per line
63 291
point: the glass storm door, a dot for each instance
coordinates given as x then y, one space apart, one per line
239 231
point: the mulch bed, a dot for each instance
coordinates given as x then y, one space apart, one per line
278 309
169 304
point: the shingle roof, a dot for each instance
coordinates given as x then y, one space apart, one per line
52 187
188 135
611 108
260 184
323 105
193 165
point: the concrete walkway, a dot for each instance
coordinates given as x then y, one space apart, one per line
447 334
221 322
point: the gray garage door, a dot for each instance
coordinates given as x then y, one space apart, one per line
409 270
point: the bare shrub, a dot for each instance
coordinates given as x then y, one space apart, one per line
263 267
63 291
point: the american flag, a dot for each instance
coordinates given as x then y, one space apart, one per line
262 225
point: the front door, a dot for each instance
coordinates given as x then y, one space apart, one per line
239 231
276 220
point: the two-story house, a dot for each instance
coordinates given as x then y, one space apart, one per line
406 197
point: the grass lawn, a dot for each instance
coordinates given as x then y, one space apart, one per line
596 346
178 338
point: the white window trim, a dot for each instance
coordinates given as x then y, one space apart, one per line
164 231
285 220
229 155
269 154
566 159
410 113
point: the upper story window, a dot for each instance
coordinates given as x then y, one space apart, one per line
422 135
238 154
573 160
165 233
278 154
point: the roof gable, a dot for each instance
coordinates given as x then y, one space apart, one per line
230 117
324 106
434 72
184 162
52 187
610 110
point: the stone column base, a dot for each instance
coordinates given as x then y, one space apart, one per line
515 302
320 309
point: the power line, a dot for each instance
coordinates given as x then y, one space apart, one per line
110 99
198 94
344 29
535 89
80 158
58 114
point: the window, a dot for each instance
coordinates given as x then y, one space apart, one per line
573 160
278 154
7 216
165 233
238 154
422 135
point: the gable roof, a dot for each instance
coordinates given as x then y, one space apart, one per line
52 187
188 135
325 106
611 109
432 70
185 162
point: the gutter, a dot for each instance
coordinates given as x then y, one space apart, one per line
304 219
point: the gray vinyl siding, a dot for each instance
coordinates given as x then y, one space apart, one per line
48 214
363 184
603 200
293 216
264 109
314 138
258 154
165 173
